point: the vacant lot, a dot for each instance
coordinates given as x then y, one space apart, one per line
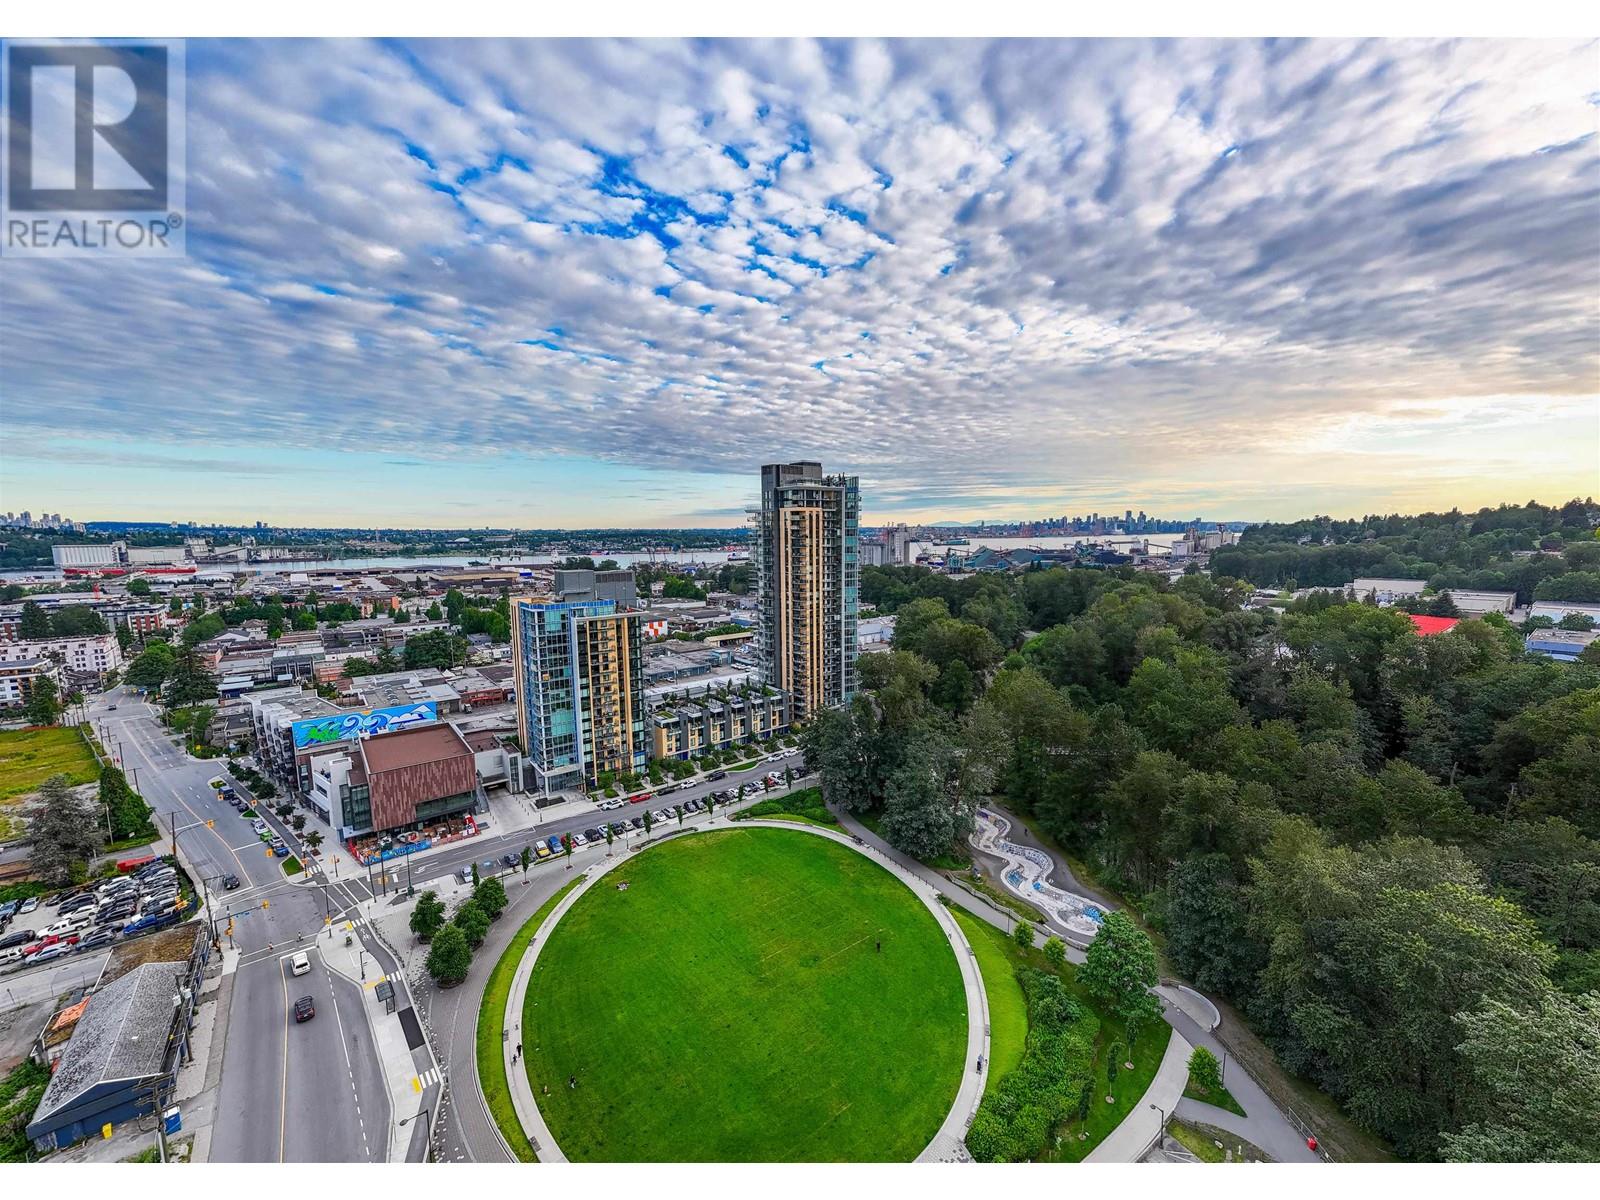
731 1005
30 756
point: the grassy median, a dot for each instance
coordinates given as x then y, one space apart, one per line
491 1024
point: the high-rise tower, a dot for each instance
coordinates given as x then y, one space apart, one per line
807 579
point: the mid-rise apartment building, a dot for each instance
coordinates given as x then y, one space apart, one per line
579 672
19 677
88 654
807 579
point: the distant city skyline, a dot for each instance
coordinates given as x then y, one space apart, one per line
576 283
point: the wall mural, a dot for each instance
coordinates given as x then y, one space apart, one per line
323 731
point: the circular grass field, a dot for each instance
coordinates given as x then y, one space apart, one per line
730 1005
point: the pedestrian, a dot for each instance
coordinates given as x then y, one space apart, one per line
519 1049
879 944
572 1082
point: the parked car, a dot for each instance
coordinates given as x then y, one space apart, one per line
666 814
47 953
554 843
641 798
279 850
594 835
28 905
578 840
100 937
18 937
464 875
541 851
304 1008
636 822
618 828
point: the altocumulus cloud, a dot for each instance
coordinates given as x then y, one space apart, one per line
948 264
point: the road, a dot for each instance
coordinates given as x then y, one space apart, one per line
283 1095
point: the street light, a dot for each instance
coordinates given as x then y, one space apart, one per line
427 1130
1162 1112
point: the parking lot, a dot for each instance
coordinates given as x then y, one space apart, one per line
152 893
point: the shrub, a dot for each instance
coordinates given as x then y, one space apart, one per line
473 922
1055 951
1205 1070
427 918
1023 934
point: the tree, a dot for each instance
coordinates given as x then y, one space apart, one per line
298 821
1022 935
1120 968
63 834
1055 951
1205 1070
427 918
44 705
435 613
491 897
566 848
711 804
128 815
473 921
76 620
138 586
313 840
648 820
151 668
450 958
474 876
1085 1100
527 858
189 681
35 622
610 837
1536 1077
1114 1054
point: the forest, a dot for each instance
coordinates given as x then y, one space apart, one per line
1384 849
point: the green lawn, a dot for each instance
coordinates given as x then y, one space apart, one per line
804 806
1222 1097
491 1026
730 1006
1008 1007
30 756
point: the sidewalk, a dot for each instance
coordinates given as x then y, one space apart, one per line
1143 1125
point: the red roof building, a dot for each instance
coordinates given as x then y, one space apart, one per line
1428 626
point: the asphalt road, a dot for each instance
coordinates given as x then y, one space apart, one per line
280 1101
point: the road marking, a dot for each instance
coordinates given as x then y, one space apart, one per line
283 1103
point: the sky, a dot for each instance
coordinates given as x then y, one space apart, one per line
599 283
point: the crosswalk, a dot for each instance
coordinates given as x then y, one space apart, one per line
426 1080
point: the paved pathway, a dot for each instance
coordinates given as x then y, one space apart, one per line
948 1145
1267 1127
1144 1123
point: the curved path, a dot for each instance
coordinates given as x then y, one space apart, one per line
1027 872
948 1145
1267 1126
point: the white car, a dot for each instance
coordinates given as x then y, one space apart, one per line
66 925
578 840
300 964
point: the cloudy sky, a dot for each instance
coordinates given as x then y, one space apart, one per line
598 283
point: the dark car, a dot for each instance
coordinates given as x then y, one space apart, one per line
510 861
636 822
18 937
717 775
595 835
229 882
99 937
304 1010
618 828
